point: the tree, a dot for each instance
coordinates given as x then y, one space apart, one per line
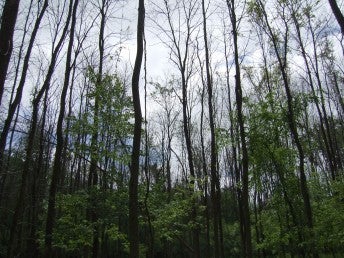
337 13
244 178
93 175
164 96
243 148
51 214
320 106
215 182
135 159
8 21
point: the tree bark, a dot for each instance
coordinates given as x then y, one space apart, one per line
16 75
93 176
50 222
214 184
338 14
244 198
8 21
135 158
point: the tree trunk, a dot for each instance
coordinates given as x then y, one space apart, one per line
338 14
215 185
245 214
135 158
16 75
93 176
50 222
8 21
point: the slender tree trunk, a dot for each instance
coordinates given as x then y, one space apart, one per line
205 174
135 158
56 173
93 175
8 21
181 62
235 166
215 190
37 188
150 251
331 141
187 132
246 222
187 136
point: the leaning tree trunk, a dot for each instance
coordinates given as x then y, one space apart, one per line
8 21
338 14
135 158
59 143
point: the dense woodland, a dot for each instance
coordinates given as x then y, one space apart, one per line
235 148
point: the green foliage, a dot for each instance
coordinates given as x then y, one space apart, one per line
267 125
222 137
171 219
232 240
109 114
275 237
73 232
255 10
273 165
329 217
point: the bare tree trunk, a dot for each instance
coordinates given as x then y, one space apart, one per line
235 149
93 175
135 158
37 189
205 173
8 21
336 163
338 14
244 198
50 222
214 184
